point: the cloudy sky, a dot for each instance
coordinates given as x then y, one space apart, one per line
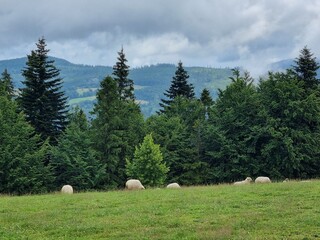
217 33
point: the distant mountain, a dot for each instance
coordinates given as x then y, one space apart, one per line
82 81
281 65
284 65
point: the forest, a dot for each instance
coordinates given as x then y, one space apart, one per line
81 82
265 127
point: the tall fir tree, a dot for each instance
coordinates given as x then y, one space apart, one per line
6 85
121 73
179 87
306 69
116 130
106 142
41 99
228 141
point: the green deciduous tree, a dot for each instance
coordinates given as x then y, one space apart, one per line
22 168
121 73
41 99
74 161
147 164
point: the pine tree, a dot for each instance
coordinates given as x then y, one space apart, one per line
179 87
6 85
121 73
147 164
306 69
42 100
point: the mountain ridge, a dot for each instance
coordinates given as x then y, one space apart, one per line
81 81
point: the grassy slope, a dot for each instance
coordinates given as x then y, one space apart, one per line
275 211
79 100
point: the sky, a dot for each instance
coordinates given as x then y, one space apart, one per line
209 33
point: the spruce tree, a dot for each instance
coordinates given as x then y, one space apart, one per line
6 85
105 140
207 101
287 136
205 98
179 87
179 152
41 99
121 73
22 168
229 147
306 69
74 160
116 130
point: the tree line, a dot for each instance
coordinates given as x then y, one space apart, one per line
270 127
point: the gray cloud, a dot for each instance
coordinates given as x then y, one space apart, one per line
231 33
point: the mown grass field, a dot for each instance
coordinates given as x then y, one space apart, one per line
273 211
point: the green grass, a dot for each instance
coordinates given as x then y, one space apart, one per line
81 99
273 211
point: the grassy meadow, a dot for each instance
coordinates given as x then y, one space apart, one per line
288 210
81 99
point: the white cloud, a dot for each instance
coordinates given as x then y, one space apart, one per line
167 47
205 32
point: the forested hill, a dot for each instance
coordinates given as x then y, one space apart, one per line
82 81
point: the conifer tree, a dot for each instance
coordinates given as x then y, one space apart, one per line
41 99
22 168
179 152
121 73
116 130
306 69
104 137
205 98
229 135
287 137
207 101
179 87
74 160
6 85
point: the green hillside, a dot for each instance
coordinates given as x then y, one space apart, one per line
82 81
272 211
